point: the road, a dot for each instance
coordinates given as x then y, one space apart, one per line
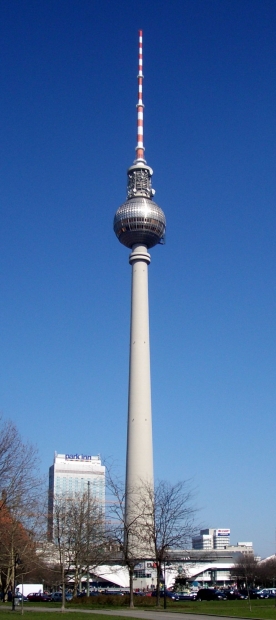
152 615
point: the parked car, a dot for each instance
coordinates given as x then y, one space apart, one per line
210 594
265 593
84 593
272 592
169 594
57 597
186 596
250 592
38 597
233 594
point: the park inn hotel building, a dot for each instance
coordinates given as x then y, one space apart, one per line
74 474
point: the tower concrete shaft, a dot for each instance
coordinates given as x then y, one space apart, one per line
139 462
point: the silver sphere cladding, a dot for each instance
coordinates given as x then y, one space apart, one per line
139 220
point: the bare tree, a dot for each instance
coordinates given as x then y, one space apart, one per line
60 540
20 505
163 520
17 550
266 571
168 522
246 572
19 480
79 537
124 535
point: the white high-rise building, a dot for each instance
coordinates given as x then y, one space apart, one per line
75 474
221 538
212 539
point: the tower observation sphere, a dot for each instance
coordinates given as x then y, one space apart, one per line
140 219
139 224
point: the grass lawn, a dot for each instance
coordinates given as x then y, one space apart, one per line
260 609
264 609
54 615
256 608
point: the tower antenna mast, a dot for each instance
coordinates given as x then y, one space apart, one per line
140 106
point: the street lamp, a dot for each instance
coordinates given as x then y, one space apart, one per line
88 537
16 562
165 593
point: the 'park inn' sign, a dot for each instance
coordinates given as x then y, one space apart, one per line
77 457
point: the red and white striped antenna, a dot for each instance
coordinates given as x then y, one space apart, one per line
140 106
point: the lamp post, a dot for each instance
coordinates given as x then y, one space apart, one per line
165 593
16 562
63 582
88 537
22 595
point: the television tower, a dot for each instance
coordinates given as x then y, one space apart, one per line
139 224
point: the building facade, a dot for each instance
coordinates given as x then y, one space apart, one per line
73 475
212 539
206 567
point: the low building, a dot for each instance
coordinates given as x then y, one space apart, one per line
206 566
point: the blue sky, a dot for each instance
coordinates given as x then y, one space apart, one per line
68 132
